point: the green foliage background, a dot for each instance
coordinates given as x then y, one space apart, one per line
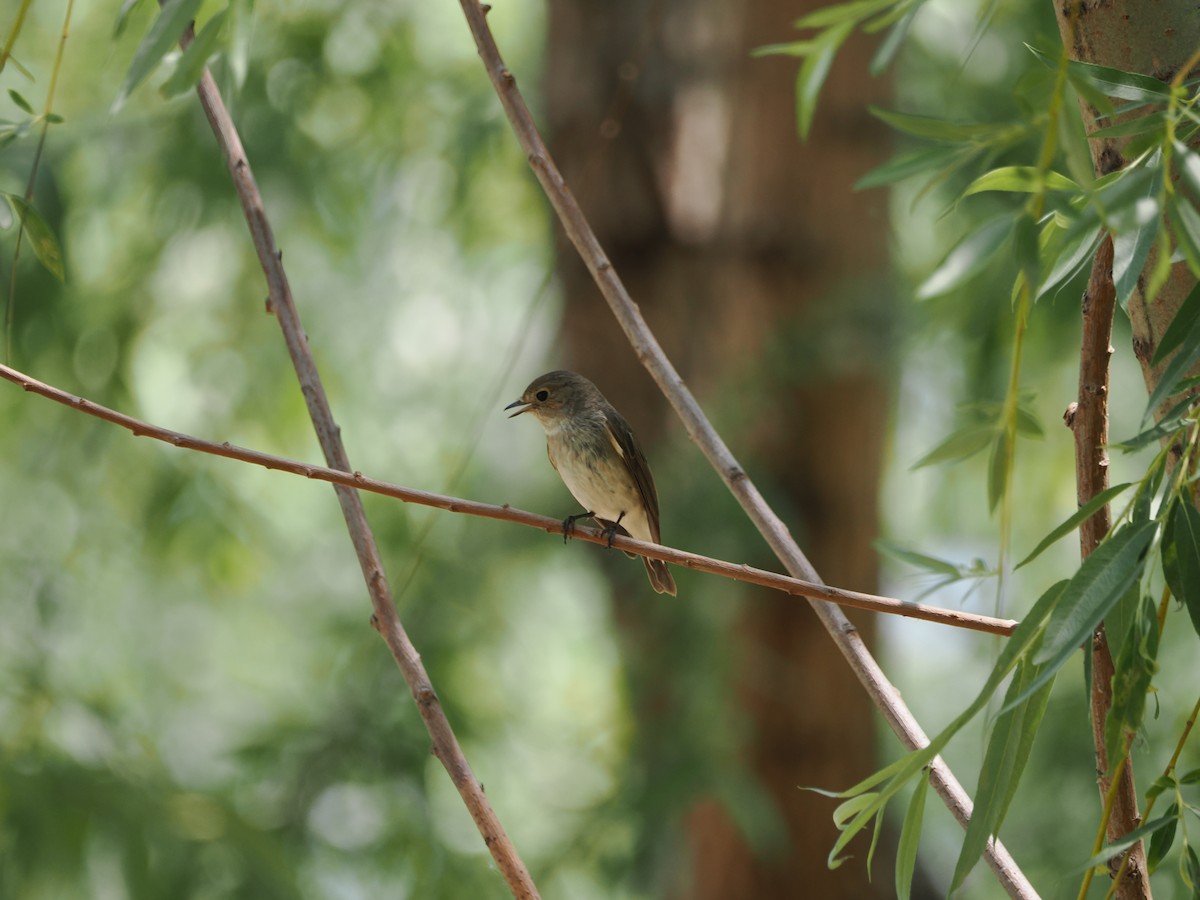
191 701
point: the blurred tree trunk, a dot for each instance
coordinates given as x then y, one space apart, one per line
755 264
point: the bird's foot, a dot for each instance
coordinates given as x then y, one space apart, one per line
610 530
568 524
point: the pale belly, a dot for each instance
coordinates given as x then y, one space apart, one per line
604 488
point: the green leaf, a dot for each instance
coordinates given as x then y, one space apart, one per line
1181 327
191 65
1126 188
1185 222
998 468
1151 484
814 71
1130 250
1027 422
1188 161
842 13
1160 844
910 839
920 560
1063 261
127 7
1153 121
1117 847
967 259
936 129
1160 272
962 443
1026 251
1096 586
1189 869
1111 82
1181 557
789 48
164 34
1192 777
1180 416
1135 667
20 101
1180 363
1161 783
905 165
1021 179
1004 761
242 33
891 44
1073 521
41 236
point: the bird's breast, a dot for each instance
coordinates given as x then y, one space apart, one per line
599 479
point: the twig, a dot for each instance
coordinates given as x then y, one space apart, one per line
650 354
358 481
385 619
1089 423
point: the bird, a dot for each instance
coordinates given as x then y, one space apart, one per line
595 453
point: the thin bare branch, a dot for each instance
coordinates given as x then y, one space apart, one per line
356 480
386 620
774 531
1089 423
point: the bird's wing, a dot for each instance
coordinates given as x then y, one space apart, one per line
626 445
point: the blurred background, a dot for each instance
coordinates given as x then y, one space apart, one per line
192 702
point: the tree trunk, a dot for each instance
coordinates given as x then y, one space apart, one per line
1155 39
764 276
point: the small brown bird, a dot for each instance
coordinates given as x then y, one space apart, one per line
595 453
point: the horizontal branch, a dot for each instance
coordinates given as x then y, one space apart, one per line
695 561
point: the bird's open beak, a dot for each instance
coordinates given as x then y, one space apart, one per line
521 403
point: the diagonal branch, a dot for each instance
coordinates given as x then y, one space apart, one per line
385 619
358 481
650 354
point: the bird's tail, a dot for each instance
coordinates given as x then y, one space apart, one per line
660 576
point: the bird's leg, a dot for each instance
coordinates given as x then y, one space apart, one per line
610 531
569 523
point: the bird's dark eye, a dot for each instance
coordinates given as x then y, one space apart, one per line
542 395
